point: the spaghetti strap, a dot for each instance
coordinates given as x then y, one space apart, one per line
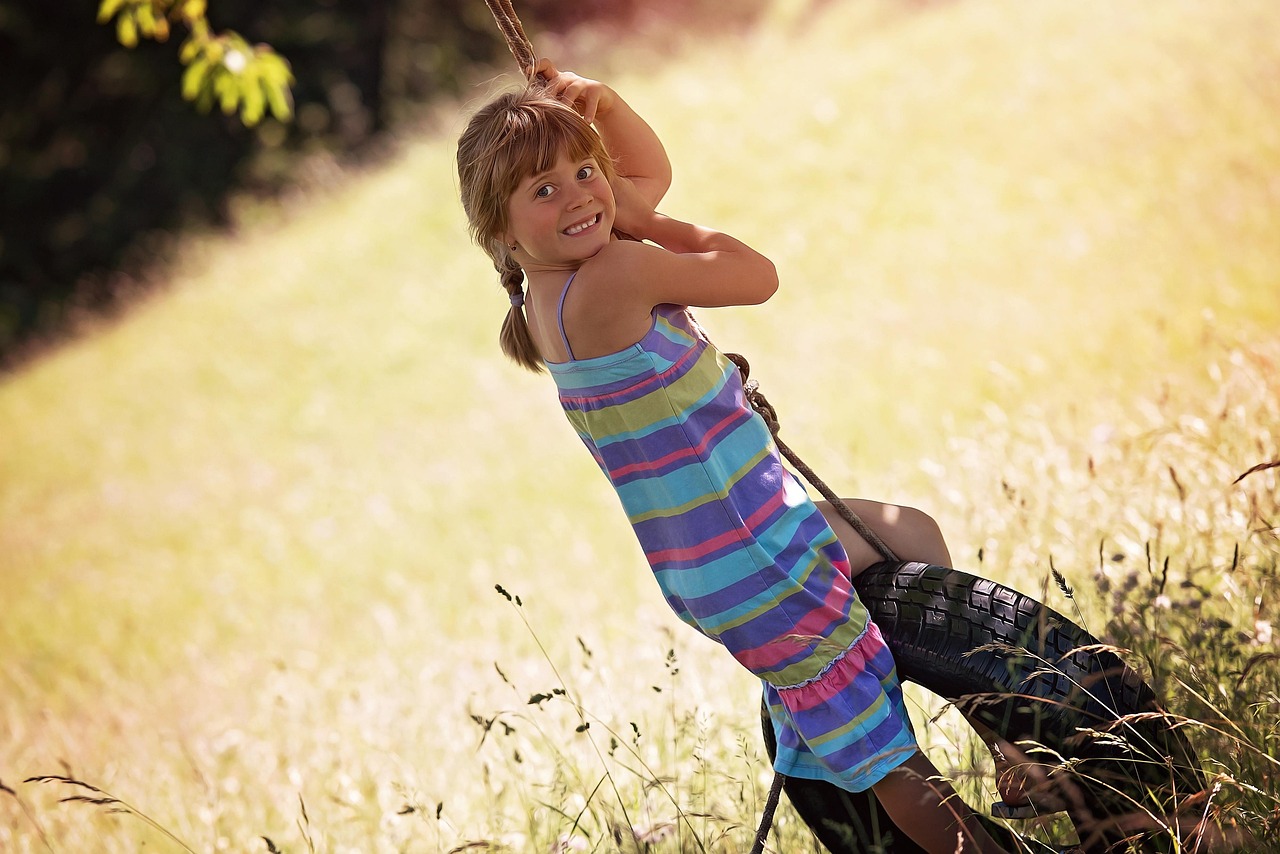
560 315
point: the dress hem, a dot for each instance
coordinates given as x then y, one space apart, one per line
826 668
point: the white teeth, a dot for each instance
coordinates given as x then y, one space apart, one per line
574 229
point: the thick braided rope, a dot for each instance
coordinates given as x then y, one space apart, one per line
766 817
770 416
513 31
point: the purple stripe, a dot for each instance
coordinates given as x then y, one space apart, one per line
658 444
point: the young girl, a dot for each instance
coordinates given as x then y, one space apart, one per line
737 547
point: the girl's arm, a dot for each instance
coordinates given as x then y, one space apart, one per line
635 147
691 265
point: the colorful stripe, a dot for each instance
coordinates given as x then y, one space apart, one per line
737 548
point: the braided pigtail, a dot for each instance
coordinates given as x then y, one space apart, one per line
515 339
516 135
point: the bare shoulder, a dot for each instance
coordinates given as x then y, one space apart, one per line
607 308
628 267
619 258
615 275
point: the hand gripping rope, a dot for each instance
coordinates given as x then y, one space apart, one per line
522 50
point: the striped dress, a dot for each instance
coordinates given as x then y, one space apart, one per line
738 549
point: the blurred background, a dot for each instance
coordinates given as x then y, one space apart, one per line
262 463
101 159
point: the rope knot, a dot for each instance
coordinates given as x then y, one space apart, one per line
751 389
762 405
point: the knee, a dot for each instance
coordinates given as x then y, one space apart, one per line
925 536
918 523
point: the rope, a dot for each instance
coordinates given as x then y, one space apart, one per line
770 416
766 817
512 30
522 49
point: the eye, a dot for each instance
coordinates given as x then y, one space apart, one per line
586 172
543 191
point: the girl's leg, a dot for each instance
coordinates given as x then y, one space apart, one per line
843 821
928 810
911 534
914 535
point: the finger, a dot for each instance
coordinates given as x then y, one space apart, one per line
546 69
591 100
572 92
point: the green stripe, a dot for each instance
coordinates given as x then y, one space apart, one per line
859 722
662 403
824 651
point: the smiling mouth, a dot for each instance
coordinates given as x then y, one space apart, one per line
582 226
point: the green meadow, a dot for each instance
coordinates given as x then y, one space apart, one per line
250 532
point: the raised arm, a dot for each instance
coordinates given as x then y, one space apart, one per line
691 265
635 147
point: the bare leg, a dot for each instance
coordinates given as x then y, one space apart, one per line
929 811
912 534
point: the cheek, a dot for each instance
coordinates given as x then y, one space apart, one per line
518 220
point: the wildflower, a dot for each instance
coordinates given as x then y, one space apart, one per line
1262 632
651 833
569 842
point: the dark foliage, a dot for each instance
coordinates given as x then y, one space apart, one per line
98 149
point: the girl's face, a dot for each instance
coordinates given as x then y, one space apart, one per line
561 217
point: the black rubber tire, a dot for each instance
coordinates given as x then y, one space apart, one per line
1030 674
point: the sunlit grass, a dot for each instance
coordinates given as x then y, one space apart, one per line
249 535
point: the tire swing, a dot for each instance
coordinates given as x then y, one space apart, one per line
1016 669
1011 666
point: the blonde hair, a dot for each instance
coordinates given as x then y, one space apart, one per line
513 136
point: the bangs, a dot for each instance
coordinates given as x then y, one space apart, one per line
535 136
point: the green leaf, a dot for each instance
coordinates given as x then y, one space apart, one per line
193 79
192 9
274 68
281 103
190 50
146 17
227 90
107 10
204 100
255 99
127 29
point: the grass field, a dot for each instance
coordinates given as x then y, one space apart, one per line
250 533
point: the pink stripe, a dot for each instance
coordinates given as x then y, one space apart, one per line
837 601
694 552
768 655
766 510
838 678
691 450
705 547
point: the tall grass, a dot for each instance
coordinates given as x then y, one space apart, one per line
249 534
1163 514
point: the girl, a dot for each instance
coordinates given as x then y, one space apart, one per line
738 549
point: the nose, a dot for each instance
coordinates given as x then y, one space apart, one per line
581 199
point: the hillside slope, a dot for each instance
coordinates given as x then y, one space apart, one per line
264 513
